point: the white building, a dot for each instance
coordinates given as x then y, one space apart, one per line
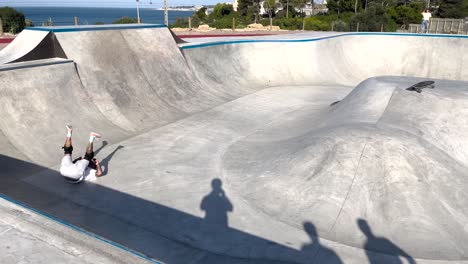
307 8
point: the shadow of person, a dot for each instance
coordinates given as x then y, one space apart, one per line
216 205
381 245
105 161
104 144
322 254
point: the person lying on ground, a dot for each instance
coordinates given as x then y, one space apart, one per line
83 168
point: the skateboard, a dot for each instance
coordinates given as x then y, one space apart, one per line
421 85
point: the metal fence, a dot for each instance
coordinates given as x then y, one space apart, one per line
442 26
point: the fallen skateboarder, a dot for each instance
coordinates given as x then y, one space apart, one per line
82 168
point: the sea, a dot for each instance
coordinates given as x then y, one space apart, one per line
64 16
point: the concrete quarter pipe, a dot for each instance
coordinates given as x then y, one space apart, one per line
302 148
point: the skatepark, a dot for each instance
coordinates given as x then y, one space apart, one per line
301 148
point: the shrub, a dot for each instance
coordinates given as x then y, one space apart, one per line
126 20
13 21
293 23
224 22
184 22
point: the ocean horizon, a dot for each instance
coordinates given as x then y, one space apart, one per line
63 16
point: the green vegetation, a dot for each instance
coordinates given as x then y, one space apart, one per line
453 8
13 21
342 15
126 20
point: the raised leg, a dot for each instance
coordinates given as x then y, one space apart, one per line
68 147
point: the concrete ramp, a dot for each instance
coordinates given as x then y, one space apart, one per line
366 161
31 45
299 149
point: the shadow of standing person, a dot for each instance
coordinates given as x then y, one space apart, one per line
216 205
322 254
381 245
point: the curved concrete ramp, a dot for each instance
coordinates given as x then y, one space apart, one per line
255 151
32 45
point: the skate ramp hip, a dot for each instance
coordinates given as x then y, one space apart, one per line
288 149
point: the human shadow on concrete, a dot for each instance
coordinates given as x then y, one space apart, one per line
375 245
216 205
322 254
105 162
164 233
158 231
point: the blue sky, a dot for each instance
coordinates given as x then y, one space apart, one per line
106 3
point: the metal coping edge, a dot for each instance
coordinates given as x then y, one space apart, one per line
31 64
95 28
218 43
80 230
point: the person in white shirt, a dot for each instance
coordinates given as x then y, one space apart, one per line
425 22
83 168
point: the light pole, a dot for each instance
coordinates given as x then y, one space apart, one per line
138 11
166 15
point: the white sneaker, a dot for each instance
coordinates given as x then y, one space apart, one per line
95 135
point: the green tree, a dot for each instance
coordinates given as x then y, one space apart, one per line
299 4
288 9
270 8
340 6
244 6
372 19
126 20
13 21
453 8
221 10
201 13
404 15
249 10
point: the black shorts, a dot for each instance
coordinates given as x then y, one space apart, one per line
89 156
67 150
92 162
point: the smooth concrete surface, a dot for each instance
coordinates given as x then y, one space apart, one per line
23 44
250 152
29 238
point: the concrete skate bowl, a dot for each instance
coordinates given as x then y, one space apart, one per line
301 136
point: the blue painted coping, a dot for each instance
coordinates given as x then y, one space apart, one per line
218 43
80 230
95 28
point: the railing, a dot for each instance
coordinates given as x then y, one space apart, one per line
442 26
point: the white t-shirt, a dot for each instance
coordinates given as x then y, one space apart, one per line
77 170
89 174
426 16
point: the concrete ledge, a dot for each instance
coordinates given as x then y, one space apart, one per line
96 27
30 237
36 63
